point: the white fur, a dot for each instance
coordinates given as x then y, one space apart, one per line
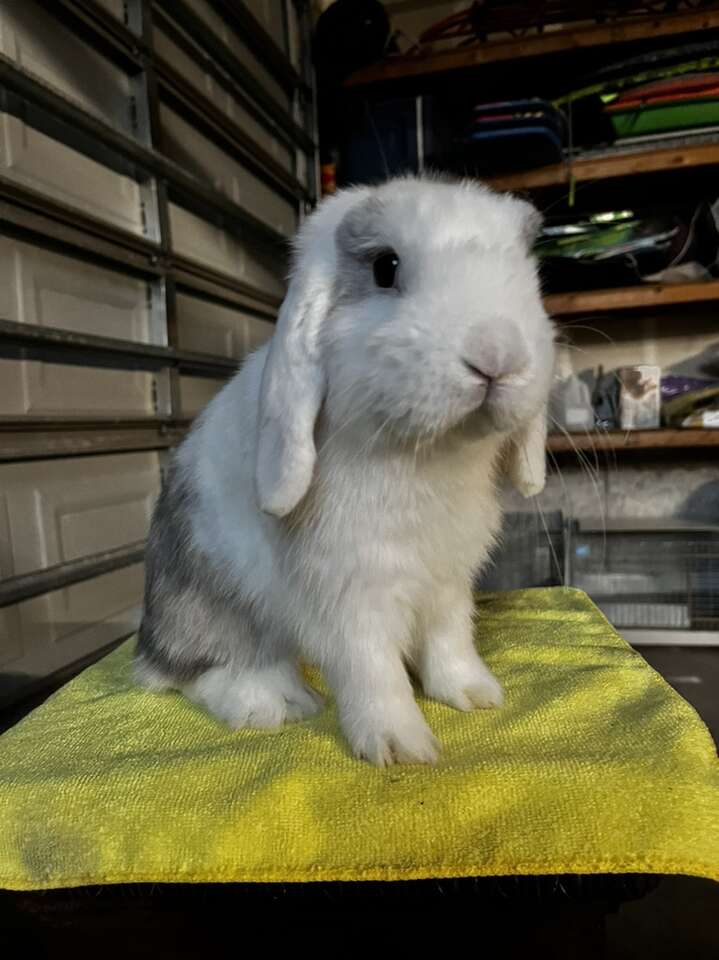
374 453
258 697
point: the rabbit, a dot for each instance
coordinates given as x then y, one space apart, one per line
335 499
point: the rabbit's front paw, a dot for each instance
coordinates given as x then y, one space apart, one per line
463 684
393 737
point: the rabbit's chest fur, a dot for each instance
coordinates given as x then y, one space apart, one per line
387 533
391 514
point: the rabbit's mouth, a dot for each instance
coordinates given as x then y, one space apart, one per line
478 375
495 396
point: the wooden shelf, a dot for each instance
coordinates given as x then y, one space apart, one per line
630 298
610 167
541 44
619 440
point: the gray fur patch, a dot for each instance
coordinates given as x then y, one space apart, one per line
195 617
359 238
359 233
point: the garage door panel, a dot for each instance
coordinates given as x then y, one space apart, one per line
75 507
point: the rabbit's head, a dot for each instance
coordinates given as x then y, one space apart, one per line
414 308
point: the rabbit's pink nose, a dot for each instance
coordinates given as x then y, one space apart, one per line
496 349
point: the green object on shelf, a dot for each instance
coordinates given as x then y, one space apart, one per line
609 88
664 118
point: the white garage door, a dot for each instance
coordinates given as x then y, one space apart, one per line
155 156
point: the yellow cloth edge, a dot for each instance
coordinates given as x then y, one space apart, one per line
527 868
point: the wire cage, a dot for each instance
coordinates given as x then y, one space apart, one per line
656 580
529 553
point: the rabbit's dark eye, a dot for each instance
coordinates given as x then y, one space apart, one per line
385 269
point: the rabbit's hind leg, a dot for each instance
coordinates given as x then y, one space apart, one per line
212 654
254 696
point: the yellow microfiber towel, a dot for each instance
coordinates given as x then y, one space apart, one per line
593 766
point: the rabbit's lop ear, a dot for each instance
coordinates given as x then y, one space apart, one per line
527 457
291 394
293 380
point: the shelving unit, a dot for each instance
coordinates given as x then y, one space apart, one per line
617 301
610 166
533 46
422 69
426 71
630 298
621 440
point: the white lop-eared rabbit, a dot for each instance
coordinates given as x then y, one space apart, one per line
334 500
